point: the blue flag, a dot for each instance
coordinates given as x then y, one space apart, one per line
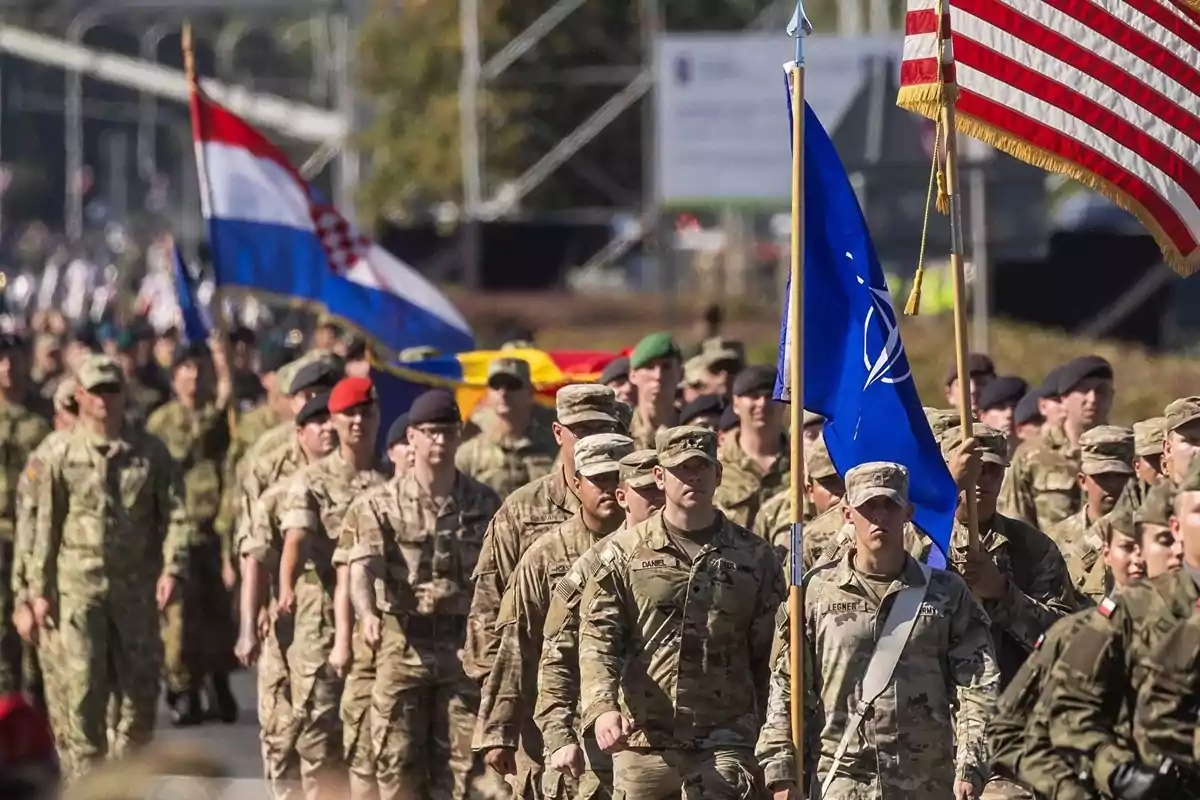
856 373
195 326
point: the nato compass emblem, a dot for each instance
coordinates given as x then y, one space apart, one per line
881 367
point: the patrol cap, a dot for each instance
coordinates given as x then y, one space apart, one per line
411 355
351 393
754 380
398 432
100 372
601 453
1106 449
941 420
514 368
877 479
1027 409
1182 411
729 420
812 418
624 415
637 468
993 444
721 353
64 395
1006 390
1079 369
683 443
1122 518
314 374
586 402
434 407
316 408
817 463
617 371
705 404
978 365
1148 436
694 371
652 347
1157 506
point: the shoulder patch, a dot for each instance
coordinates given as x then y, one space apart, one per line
1040 641
1107 607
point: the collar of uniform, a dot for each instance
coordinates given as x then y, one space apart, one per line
731 454
343 468
1192 582
407 488
910 575
98 442
992 537
660 540
1055 438
560 492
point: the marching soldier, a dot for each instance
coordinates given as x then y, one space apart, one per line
755 463
654 369
823 487
1164 725
1182 439
680 720
1148 438
1161 549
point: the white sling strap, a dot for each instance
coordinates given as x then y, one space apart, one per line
896 630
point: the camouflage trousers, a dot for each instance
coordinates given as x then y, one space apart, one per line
103 648
423 710
277 731
316 691
718 773
198 630
356 722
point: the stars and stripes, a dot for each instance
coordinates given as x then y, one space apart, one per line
1104 91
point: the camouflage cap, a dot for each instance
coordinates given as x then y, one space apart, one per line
1106 449
1148 436
99 371
1158 505
812 418
64 395
817 463
1191 481
586 402
877 479
624 416
993 444
601 453
516 368
637 468
942 419
683 443
719 350
1182 411
1121 518
693 371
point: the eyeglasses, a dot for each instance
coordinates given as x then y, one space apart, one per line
439 431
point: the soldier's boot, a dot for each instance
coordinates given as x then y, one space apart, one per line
185 708
225 703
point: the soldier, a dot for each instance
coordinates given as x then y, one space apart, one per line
1148 438
981 370
21 431
1043 485
755 463
110 542
814 424
506 709
313 374
901 740
727 426
1161 550
1027 421
557 710
655 369
713 370
1164 724
999 400
1091 708
412 547
310 516
512 449
616 377
398 451
705 411
680 720
142 398
824 489
1182 439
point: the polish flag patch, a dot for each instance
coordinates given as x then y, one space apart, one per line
1107 607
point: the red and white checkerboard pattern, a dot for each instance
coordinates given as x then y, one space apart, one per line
344 246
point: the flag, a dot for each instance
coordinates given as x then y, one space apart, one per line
195 326
856 373
271 232
1107 93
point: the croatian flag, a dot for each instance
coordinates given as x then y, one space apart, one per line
272 232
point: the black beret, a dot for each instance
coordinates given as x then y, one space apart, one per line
1077 370
704 404
754 379
437 406
977 364
1003 391
274 355
194 351
398 433
1027 409
617 370
316 407
320 374
729 420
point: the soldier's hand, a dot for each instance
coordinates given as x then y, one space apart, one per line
986 580
965 790
24 623
784 791
612 731
164 591
286 603
264 623
568 760
246 648
372 631
966 463
502 760
228 573
43 613
339 659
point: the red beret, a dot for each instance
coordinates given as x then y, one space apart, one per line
351 392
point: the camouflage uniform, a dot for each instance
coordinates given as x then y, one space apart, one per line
198 631
911 745
250 427
745 487
420 554
21 431
1042 485
97 555
506 464
1092 706
315 501
1164 725
823 542
696 705
141 401
643 433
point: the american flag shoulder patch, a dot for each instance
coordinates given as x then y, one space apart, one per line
1107 607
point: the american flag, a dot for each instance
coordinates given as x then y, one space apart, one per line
1103 91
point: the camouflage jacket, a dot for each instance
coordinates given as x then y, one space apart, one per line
21 431
507 464
197 440
93 542
745 486
908 743
26 520
682 648
257 531
250 426
1039 591
141 401
419 552
832 546
643 433
1092 706
1164 724
1080 540
526 514
1019 734
774 522
1042 484
273 438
